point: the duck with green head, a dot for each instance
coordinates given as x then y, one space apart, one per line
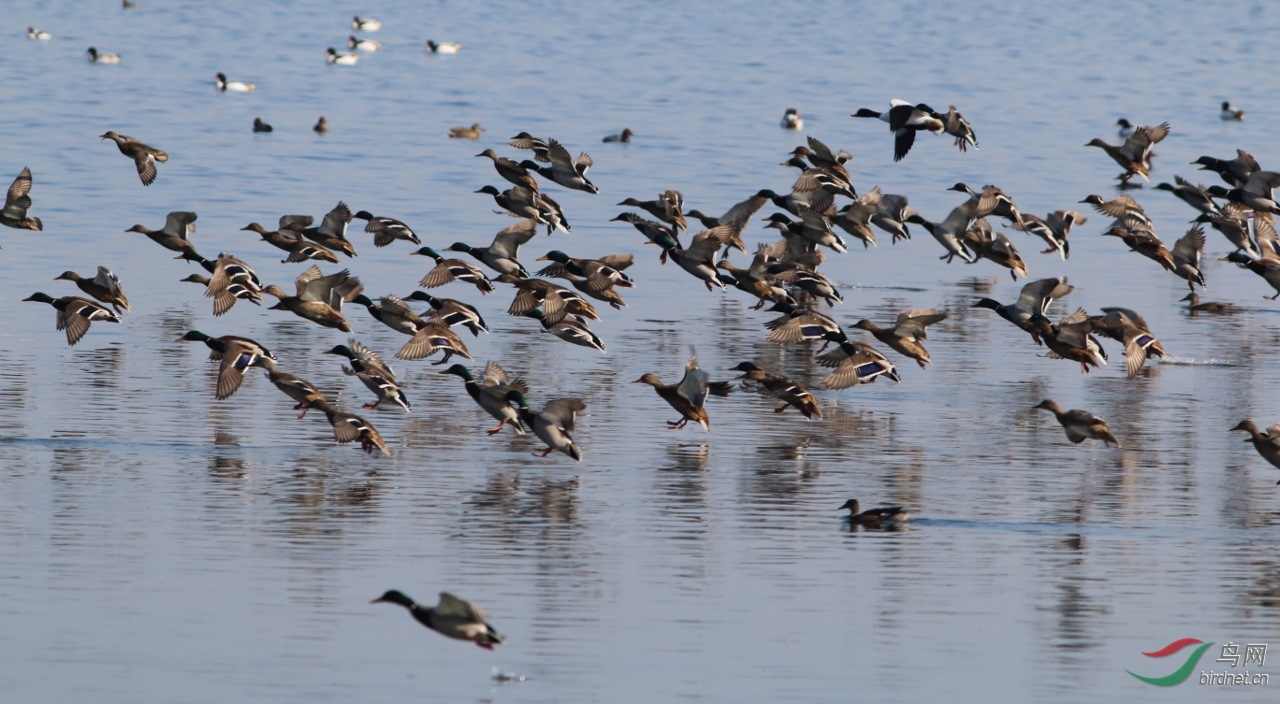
452 618
883 517
553 424
447 270
368 367
236 354
75 314
452 312
492 393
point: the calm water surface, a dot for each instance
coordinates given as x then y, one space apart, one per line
156 545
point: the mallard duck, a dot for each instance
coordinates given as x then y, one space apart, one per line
855 218
813 227
600 274
1233 222
1123 207
102 57
1034 299
367 24
295 387
991 200
232 280
1070 339
699 258
948 232
1267 444
553 424
884 516
1130 328
358 44
319 298
503 254
368 367
668 208
778 386
1054 229
386 230
907 332
791 120
807 280
331 233
565 170
1192 194
1195 306
321 126
105 287
223 85
435 335
447 270
799 324
756 280
472 132
16 202
1255 194
144 157
176 233
75 314
349 427
1235 171
452 617
689 396
492 393
392 312
624 136
655 232
855 363
299 249
524 203
1186 256
994 247
555 301
1080 425
443 47
1268 266
511 170
236 355
1138 235
904 121
237 290
1229 113
453 312
341 58
570 328
893 215
954 124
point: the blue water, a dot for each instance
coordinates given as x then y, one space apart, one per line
157 545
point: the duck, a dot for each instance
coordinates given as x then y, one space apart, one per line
1267 444
292 242
367 24
1255 194
1080 425
556 302
948 232
907 332
319 297
668 208
333 56
700 256
260 126
236 354
855 218
954 124
797 324
432 337
624 136
443 47
447 270
1125 128
571 328
856 363
144 157
552 425
368 367
1123 207
1053 228
1268 267
451 617
17 201
1235 172
1232 220
386 230
491 392
1034 299
472 132
655 232
102 57
237 290
806 279
321 126
293 386
363 44
511 170
600 274
1186 257
994 247
1071 339
502 255
780 387
883 517
176 233
791 120
1130 328
224 86
232 280
892 216
330 233
689 396
74 314
1134 156
349 427
1138 235
1228 113
33 33
393 312
104 286
756 281
1192 194
813 227
523 203
904 121
452 312
991 200
1195 306
565 170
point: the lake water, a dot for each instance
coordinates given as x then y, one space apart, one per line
157 545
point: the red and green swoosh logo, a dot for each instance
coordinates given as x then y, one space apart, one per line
1182 673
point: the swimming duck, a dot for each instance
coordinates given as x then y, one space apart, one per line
443 47
689 396
995 247
1230 113
1267 444
33 33
236 354
321 126
855 363
624 136
363 44
223 85
1071 339
1125 128
904 121
432 337
75 314
447 270
1235 171
104 286
386 230
453 312
319 297
232 280
333 56
907 332
368 367
331 232
948 232
472 132
503 254
176 233
1134 156
1195 306
883 517
791 120
571 328
349 427
367 24
1080 425
1034 299
452 617
103 57
491 392
556 302
144 157
260 126
553 424
511 170
778 386
1130 328
293 386
16 202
